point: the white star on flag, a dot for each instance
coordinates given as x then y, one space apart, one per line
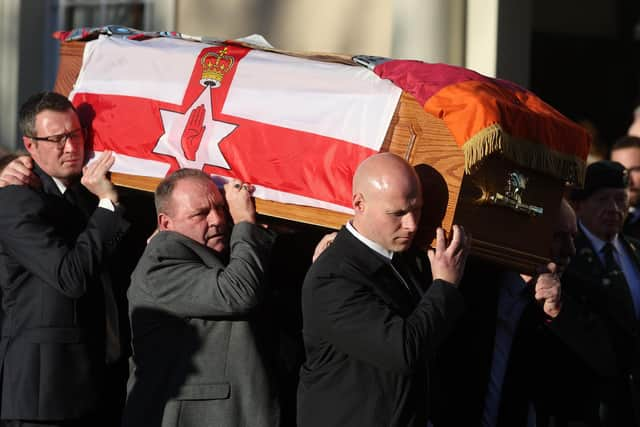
208 151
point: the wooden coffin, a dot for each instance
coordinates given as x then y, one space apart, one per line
516 236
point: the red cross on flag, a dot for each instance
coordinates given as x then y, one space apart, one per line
295 128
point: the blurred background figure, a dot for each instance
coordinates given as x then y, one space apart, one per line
598 150
634 129
604 276
626 151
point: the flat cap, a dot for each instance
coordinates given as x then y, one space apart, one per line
602 174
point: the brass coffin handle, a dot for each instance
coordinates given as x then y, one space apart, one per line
516 184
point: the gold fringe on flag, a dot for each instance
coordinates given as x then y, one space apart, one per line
536 156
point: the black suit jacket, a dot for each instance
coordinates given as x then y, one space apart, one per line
632 226
615 396
464 362
51 258
540 369
368 340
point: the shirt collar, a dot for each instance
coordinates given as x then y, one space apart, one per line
370 243
60 185
597 242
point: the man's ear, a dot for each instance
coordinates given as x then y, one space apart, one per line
29 144
164 222
358 202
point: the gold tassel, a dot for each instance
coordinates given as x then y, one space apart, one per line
539 157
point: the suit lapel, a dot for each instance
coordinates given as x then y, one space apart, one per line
387 284
610 294
48 186
62 213
81 198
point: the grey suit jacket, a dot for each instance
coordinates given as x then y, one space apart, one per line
197 356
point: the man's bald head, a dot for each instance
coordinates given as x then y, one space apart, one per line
564 233
387 200
380 172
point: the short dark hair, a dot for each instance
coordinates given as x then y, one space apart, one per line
165 188
626 141
38 103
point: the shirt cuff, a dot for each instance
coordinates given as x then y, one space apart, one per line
107 204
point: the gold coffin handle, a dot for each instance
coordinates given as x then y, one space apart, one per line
498 199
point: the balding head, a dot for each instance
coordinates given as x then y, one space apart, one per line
564 233
387 201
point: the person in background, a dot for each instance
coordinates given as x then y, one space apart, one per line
634 128
491 369
626 151
604 277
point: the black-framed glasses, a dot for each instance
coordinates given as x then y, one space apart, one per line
633 169
61 138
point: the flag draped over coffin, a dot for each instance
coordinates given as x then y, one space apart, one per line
487 116
293 127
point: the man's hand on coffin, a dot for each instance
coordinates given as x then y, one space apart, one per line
448 258
548 290
19 172
239 201
323 244
95 177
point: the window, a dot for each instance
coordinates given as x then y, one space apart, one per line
96 13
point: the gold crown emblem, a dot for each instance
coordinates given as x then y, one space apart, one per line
214 66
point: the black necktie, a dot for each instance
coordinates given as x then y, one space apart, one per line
616 282
610 265
402 269
74 195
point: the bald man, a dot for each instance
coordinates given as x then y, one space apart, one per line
374 310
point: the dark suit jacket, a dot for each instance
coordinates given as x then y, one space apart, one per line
536 373
368 341
51 258
632 226
197 352
614 396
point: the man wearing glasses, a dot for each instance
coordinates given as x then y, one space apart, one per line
626 151
57 237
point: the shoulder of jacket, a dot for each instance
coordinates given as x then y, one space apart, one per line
175 245
19 190
20 199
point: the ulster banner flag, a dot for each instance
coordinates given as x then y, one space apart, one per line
295 128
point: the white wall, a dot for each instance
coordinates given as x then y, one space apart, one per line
9 50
